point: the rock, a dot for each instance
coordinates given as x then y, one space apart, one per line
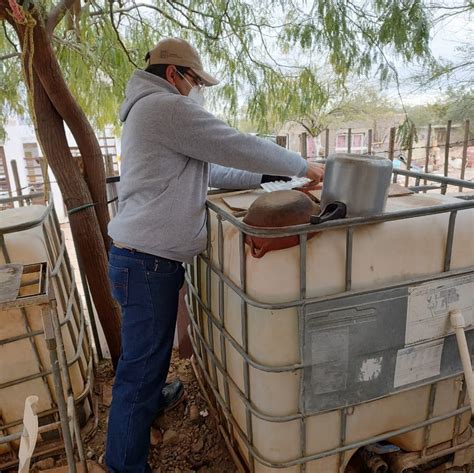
170 437
90 454
45 464
156 437
198 445
194 413
107 395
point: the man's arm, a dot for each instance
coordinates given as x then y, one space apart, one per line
194 132
228 178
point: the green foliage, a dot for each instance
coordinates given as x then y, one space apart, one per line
457 71
271 51
407 134
12 95
317 105
459 104
427 113
300 98
456 105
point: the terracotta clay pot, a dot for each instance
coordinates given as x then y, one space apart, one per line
278 209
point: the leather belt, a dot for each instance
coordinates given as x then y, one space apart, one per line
123 247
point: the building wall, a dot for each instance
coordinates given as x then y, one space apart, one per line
380 138
18 133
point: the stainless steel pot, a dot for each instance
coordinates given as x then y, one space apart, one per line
360 182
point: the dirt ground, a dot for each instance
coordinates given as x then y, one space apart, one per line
185 440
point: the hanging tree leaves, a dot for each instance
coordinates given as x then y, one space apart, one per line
268 51
252 46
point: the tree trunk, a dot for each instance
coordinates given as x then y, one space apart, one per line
50 75
84 224
54 104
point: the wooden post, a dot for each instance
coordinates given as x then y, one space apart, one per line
16 178
464 150
43 162
281 141
369 142
428 149
349 139
6 174
326 144
391 143
446 155
410 152
304 145
109 165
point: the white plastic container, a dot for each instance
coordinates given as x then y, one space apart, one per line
383 255
29 356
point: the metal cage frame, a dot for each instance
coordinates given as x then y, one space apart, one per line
63 284
206 355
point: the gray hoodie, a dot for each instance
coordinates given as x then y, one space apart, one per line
168 142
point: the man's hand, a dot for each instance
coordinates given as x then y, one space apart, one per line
315 172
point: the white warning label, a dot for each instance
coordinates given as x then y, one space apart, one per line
429 306
418 362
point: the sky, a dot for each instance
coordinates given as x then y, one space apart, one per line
445 38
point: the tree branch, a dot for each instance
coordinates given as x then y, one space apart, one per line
119 39
376 44
303 124
191 21
57 14
7 36
191 10
10 56
245 47
138 6
445 16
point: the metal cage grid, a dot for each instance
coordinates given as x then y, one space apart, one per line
71 321
211 361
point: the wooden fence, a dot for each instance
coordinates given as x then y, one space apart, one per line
431 153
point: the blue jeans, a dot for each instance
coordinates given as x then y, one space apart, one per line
146 287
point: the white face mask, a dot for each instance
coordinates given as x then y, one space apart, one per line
196 94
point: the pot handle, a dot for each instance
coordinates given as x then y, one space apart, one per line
332 211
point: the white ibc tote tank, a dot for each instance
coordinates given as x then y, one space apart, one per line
31 234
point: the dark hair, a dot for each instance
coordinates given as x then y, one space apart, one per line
160 69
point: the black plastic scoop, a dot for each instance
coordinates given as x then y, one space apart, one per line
332 211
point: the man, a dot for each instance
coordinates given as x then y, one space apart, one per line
168 144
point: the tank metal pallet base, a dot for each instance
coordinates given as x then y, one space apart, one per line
462 454
403 462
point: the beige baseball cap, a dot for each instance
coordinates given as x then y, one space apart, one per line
179 52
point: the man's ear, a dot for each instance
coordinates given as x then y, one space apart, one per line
171 75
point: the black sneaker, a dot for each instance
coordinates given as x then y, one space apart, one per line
173 394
